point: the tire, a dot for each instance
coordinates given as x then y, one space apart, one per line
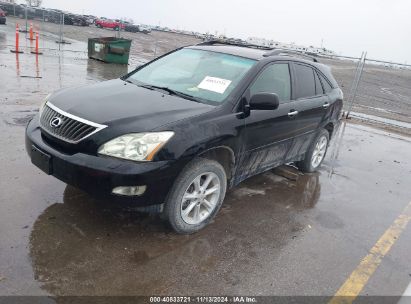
200 208
308 164
116 28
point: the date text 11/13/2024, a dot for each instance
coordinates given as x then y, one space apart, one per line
203 299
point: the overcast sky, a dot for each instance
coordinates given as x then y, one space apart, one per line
381 27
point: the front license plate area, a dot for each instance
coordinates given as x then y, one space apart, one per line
41 159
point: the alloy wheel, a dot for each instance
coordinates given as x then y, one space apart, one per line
319 151
201 198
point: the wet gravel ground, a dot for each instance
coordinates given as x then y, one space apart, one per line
273 236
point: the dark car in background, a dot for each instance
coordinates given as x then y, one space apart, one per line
135 28
39 13
68 19
90 19
7 8
2 17
182 129
78 20
15 10
55 16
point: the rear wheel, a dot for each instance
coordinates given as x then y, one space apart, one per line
196 196
316 153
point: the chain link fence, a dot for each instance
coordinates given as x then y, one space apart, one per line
46 25
384 91
374 90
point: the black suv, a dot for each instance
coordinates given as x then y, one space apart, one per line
181 129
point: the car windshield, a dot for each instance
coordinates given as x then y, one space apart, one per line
205 76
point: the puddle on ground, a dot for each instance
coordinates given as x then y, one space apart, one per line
110 240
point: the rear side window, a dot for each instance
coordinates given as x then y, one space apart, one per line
327 87
274 79
318 87
305 81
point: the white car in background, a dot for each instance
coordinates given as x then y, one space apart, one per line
144 29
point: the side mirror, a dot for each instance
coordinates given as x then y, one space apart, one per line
264 101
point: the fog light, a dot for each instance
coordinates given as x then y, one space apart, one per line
130 190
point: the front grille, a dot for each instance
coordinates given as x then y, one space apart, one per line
67 127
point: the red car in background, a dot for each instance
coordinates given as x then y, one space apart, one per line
2 17
112 24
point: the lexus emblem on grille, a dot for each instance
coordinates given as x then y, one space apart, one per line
56 122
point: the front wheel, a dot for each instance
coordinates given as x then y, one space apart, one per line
316 153
196 196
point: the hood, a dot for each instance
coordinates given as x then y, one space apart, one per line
116 102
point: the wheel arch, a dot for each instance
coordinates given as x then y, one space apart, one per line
223 155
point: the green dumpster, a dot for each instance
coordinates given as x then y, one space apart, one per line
109 49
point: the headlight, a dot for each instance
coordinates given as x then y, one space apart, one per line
43 104
136 146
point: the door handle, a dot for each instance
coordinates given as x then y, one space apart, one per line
292 113
326 105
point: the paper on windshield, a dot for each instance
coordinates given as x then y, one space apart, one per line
214 84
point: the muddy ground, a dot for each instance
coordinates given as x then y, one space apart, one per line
273 236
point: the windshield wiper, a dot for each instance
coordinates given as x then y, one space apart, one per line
170 91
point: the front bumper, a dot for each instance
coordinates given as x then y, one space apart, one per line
99 175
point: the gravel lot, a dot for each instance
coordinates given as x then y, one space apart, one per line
383 91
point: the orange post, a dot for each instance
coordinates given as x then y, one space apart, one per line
17 51
37 45
17 37
31 31
37 42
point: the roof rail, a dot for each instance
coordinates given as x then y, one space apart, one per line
212 42
277 52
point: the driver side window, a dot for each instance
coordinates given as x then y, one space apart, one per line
274 79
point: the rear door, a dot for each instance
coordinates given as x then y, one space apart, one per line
311 104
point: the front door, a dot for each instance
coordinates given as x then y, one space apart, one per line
269 133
